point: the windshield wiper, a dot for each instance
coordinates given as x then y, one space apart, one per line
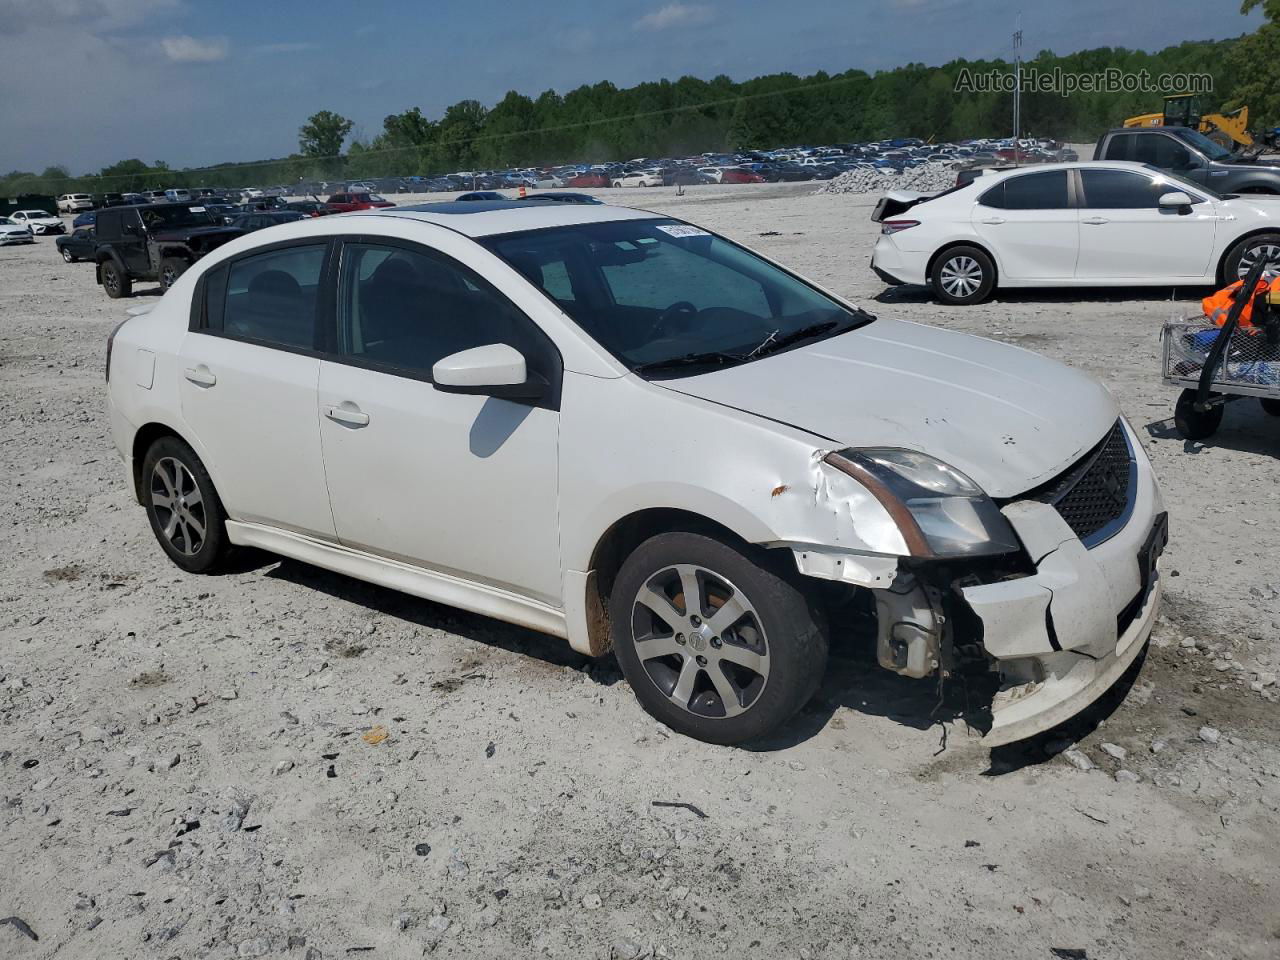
772 343
705 358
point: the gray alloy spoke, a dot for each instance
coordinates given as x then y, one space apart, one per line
162 500
692 592
662 608
194 524
743 658
171 526
728 695
684 684
659 647
730 613
193 498
173 494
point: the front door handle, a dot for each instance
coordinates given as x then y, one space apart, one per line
1096 221
200 375
351 415
994 221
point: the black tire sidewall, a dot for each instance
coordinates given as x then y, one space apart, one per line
215 546
984 290
794 631
1194 424
124 286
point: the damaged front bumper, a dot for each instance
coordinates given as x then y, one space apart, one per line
1064 635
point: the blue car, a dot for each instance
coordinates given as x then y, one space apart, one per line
86 219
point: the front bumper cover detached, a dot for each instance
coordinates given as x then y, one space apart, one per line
1063 636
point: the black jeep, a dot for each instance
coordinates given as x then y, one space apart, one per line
155 241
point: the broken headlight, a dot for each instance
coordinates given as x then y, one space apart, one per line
940 511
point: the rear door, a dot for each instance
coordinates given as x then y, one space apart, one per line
1029 221
250 365
1125 234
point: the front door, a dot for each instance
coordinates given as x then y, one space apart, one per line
1029 223
248 387
463 485
1126 234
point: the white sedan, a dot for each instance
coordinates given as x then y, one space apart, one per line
13 232
1072 224
623 430
41 222
640 178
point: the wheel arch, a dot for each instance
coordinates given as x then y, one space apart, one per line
1220 272
951 245
589 625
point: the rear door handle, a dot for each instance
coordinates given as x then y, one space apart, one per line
1096 221
200 375
350 415
994 221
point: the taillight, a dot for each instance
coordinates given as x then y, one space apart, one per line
897 226
111 340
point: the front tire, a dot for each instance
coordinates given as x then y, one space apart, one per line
115 281
66 255
714 645
184 509
1245 253
1196 424
963 276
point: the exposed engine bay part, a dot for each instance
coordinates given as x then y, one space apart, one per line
913 635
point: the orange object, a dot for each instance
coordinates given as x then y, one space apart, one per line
1217 305
522 194
375 735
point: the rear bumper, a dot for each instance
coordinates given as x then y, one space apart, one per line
1063 636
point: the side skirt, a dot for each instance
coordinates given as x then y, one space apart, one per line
415 581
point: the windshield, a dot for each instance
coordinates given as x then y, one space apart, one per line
1191 185
664 295
1202 143
167 218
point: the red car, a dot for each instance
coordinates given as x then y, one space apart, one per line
592 179
346 202
740 175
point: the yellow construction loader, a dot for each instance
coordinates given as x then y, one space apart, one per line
1230 130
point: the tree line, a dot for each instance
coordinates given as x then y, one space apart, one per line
599 122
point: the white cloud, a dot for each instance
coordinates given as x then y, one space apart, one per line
188 49
675 15
17 16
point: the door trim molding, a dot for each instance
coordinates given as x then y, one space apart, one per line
406 578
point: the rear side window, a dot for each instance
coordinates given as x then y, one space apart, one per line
1121 147
270 298
1030 191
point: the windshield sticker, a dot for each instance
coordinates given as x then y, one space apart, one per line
682 230
195 209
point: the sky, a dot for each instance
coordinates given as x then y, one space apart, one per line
84 83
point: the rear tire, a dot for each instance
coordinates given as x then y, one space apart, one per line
184 509
1195 424
721 677
115 281
171 268
962 276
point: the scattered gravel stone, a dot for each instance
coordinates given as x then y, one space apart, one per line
1209 734
925 178
1127 776
1078 759
254 947
1158 745
592 901
1114 750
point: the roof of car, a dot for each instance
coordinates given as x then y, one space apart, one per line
482 218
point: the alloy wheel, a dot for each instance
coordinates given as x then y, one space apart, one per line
701 641
961 276
178 506
1251 256
110 280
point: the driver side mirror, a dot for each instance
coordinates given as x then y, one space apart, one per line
494 370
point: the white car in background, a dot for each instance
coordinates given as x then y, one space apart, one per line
623 430
72 202
640 178
13 232
41 222
1071 225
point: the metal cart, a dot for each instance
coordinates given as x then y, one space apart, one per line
1215 365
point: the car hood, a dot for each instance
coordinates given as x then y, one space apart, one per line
12 228
1007 417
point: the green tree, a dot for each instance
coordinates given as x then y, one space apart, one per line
322 135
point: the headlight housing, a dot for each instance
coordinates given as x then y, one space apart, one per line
940 511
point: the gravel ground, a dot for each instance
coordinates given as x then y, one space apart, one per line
282 762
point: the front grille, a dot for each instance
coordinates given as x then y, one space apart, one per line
1094 493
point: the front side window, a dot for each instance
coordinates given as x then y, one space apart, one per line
1122 190
665 295
407 308
269 298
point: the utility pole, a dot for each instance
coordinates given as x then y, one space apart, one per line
1017 87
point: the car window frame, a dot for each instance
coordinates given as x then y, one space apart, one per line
1073 197
550 352
1151 175
198 321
